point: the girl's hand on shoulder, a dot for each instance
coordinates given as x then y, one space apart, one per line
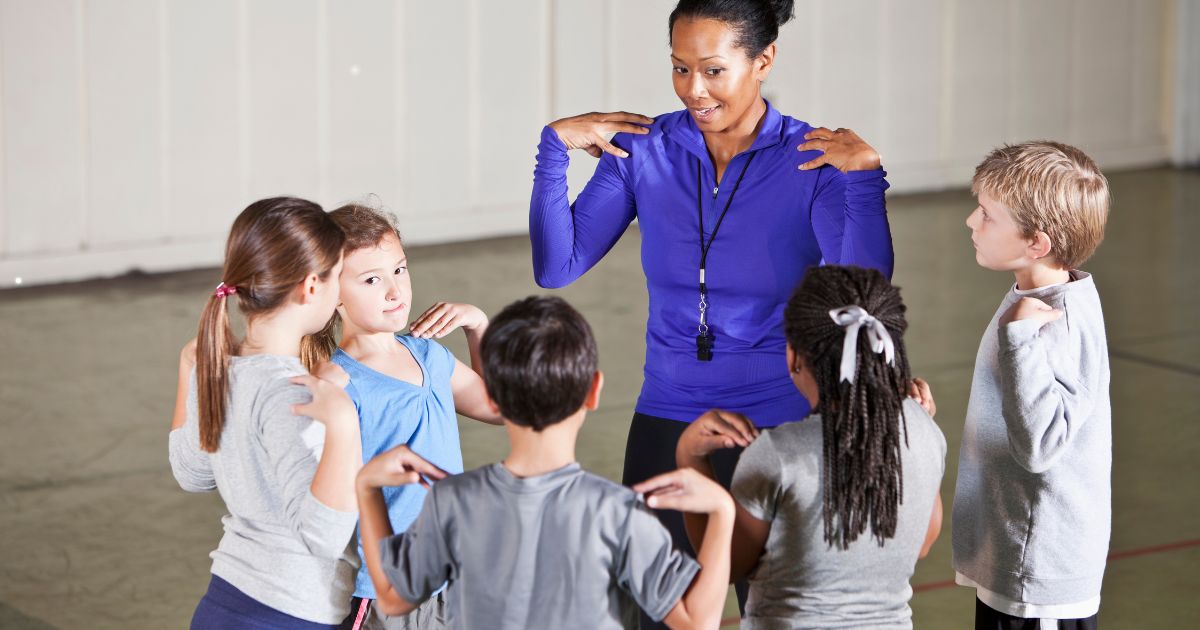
919 391
442 318
714 430
841 148
588 131
685 490
330 404
399 466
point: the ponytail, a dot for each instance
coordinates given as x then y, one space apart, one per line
861 395
214 346
273 245
319 347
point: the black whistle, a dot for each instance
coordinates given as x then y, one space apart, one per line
704 345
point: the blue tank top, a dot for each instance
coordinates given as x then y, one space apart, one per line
392 412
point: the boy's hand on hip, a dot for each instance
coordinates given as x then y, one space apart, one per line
398 467
687 491
1030 308
442 318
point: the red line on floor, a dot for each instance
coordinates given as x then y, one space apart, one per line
1116 555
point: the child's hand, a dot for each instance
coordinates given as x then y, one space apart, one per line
919 390
330 404
187 357
1030 308
398 467
442 318
713 431
687 491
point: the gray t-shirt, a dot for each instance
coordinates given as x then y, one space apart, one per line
801 581
566 549
281 546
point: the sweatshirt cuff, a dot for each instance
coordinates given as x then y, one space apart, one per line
1013 335
326 530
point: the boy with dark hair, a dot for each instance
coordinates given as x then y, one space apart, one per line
1032 507
535 541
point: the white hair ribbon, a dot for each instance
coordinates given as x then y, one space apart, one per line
852 318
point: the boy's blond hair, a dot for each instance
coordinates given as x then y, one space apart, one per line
1049 187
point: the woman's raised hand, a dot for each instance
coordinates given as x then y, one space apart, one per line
714 430
840 148
588 131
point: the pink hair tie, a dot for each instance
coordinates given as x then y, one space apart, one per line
224 291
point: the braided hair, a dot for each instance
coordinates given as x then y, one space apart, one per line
862 421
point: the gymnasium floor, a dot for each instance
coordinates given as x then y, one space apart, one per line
97 535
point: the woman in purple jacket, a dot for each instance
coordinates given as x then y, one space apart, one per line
734 201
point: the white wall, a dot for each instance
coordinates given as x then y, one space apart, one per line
132 131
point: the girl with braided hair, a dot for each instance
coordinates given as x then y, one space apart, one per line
834 512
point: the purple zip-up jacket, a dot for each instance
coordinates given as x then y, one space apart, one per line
782 221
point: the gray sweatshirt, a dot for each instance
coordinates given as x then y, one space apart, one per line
1032 508
282 546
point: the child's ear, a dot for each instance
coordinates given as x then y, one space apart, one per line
593 397
1040 245
308 288
793 360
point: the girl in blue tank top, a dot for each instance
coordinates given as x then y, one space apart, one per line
407 388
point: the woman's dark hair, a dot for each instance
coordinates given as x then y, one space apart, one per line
756 22
539 359
274 245
364 227
862 421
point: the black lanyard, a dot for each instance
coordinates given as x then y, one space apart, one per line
704 340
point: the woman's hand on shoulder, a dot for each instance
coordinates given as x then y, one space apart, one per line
588 131
841 148
713 431
442 318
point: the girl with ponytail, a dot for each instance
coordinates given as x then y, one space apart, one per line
283 461
834 512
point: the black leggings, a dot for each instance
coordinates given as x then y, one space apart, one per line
649 451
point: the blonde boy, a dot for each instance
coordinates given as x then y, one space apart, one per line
1032 507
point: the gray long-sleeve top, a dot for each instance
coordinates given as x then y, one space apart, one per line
1032 507
281 546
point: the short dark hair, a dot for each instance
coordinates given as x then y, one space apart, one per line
539 359
756 22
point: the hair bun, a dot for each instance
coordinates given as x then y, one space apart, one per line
784 10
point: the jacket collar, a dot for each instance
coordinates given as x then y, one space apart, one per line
685 132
